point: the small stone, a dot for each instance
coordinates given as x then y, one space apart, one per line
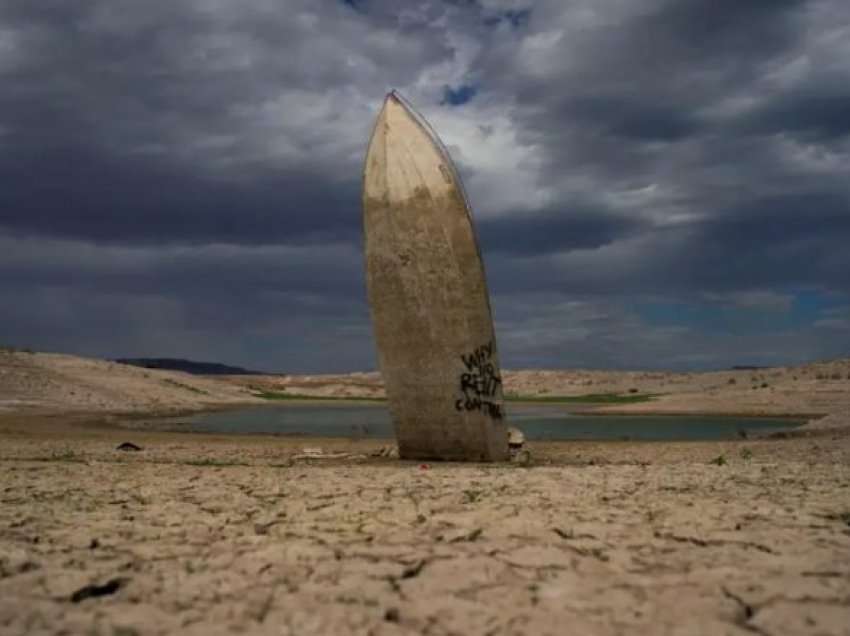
516 438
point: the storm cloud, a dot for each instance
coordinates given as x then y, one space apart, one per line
655 184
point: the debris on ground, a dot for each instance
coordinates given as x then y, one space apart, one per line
522 457
318 453
387 451
128 446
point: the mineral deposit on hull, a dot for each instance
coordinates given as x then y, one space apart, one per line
427 291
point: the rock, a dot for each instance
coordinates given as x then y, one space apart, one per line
94 590
392 615
516 441
522 457
516 438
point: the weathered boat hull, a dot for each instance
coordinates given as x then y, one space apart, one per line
428 296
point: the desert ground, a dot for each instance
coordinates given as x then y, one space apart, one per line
198 533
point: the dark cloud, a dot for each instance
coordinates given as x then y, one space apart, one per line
516 18
183 179
792 240
209 272
707 29
174 124
630 117
76 192
570 227
822 115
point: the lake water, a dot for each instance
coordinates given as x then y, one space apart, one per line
538 422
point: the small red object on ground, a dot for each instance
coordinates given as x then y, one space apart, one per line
424 466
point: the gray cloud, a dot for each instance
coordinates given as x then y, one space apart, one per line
75 192
183 179
823 116
572 226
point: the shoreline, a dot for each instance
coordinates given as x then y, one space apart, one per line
57 430
47 422
584 408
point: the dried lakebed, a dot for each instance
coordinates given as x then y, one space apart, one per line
538 422
217 534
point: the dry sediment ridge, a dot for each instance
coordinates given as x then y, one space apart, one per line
57 382
818 388
65 383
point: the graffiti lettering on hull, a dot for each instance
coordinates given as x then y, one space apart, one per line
480 384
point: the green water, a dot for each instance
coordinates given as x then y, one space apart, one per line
538 422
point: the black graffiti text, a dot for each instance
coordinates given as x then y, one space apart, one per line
480 383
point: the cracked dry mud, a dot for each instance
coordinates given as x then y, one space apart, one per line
203 534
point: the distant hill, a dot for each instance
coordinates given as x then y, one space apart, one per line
187 366
65 383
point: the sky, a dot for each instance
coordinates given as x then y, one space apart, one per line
656 184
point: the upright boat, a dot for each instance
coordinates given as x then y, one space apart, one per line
428 296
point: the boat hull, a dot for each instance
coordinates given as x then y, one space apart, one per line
428 297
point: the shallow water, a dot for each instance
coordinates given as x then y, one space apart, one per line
538 422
